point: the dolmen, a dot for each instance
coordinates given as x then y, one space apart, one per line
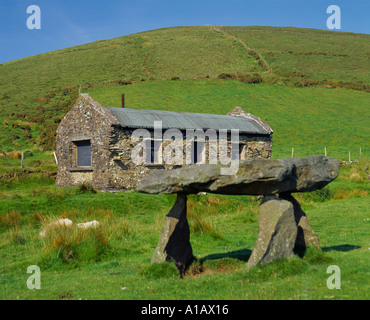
283 226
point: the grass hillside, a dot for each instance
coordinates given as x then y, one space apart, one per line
37 91
316 54
306 119
113 261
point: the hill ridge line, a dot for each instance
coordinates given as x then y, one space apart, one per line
269 69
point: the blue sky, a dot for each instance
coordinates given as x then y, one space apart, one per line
66 23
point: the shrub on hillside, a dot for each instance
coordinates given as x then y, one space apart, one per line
328 84
10 220
47 136
254 78
86 187
14 155
123 82
160 270
319 195
225 75
263 64
44 100
254 54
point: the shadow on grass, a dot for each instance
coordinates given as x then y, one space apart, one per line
342 248
242 255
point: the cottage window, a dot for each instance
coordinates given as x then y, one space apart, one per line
197 152
83 153
236 151
153 156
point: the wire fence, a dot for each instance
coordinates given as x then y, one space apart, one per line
341 153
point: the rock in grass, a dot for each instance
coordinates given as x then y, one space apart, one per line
277 232
174 243
305 235
88 225
254 177
57 223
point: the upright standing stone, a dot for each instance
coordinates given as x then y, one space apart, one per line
305 235
277 231
174 242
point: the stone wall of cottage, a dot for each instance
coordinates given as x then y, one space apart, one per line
112 166
87 120
125 173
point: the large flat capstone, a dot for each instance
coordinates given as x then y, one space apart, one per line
254 177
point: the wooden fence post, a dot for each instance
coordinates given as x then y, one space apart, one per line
292 153
22 160
55 157
325 152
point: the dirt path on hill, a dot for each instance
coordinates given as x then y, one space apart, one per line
264 64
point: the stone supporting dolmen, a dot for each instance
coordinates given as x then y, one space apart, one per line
283 226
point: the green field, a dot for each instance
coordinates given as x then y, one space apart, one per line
318 54
306 119
223 233
314 93
37 91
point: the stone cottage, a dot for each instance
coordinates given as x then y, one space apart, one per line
95 144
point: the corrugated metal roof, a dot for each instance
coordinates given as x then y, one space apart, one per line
139 118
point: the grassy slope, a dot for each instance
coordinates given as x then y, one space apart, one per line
184 52
39 90
307 119
338 56
223 232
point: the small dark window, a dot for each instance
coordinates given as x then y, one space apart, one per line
83 153
236 151
153 149
197 152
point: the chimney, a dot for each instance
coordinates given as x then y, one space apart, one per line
123 101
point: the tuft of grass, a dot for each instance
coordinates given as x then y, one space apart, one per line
195 269
14 155
11 220
343 194
316 256
197 213
15 236
319 195
160 271
225 265
86 187
75 246
201 225
278 269
38 217
355 177
72 245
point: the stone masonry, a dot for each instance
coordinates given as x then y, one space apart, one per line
111 165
